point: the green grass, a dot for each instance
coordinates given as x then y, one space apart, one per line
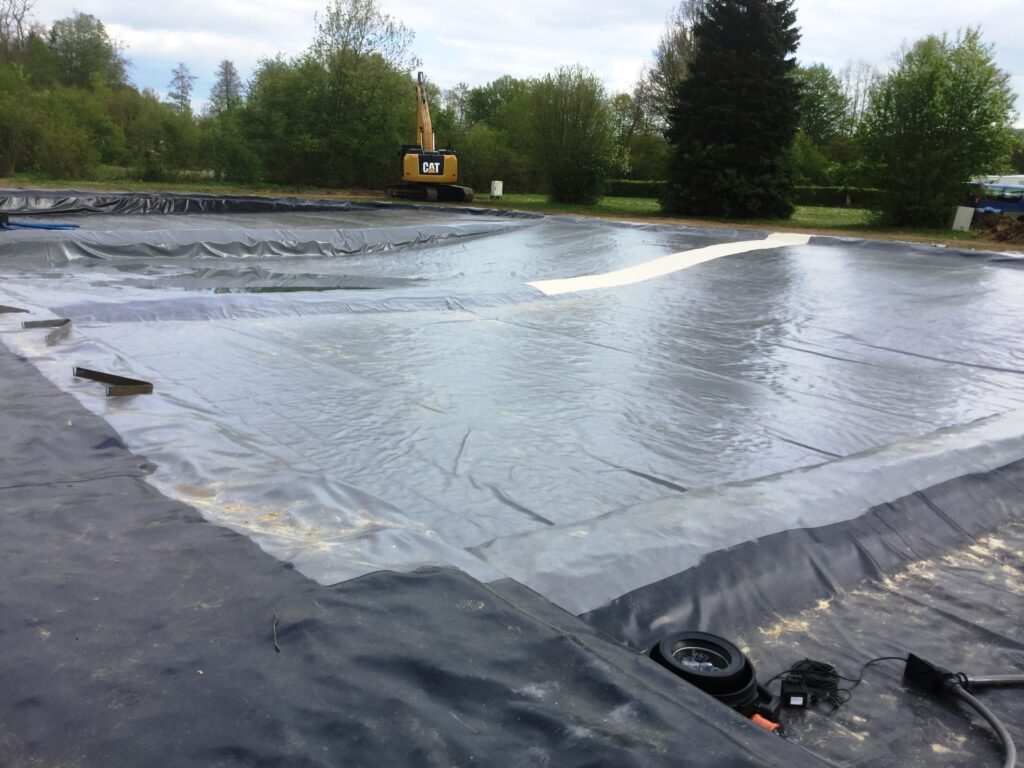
859 221
614 206
811 217
855 221
805 216
814 217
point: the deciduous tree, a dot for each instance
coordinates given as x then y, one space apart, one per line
859 80
655 92
573 134
823 105
83 49
492 103
1017 152
14 27
358 28
942 116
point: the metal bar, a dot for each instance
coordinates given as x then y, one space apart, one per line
116 385
61 328
6 309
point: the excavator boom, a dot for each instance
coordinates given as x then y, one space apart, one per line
424 129
428 173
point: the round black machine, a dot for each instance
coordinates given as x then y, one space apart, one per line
714 665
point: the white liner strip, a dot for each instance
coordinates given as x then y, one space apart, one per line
666 265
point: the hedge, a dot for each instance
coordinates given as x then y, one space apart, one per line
832 197
631 188
839 197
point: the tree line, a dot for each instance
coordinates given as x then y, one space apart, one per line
730 125
745 122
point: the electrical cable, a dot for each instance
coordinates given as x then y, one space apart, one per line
822 680
810 681
868 663
956 689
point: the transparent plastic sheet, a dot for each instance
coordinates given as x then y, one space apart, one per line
716 447
71 201
765 579
420 403
654 541
29 247
137 634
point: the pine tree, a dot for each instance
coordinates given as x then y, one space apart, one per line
228 90
736 113
179 91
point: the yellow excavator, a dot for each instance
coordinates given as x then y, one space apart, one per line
428 173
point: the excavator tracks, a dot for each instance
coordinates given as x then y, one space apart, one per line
452 193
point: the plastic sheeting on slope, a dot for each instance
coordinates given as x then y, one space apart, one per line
71 201
136 634
938 573
771 576
308 230
961 608
453 416
655 541
67 201
450 378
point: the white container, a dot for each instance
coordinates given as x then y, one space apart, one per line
496 189
962 218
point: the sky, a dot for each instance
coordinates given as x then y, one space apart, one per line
475 41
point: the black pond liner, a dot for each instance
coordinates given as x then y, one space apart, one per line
815 452
135 633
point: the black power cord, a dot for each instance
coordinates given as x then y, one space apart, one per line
934 679
808 682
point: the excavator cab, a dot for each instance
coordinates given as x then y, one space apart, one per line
428 173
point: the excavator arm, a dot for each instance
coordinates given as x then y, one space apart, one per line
424 129
428 173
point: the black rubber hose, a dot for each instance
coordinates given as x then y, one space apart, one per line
993 681
1009 750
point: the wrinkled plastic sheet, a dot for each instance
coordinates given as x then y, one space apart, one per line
74 201
835 424
137 634
409 399
70 201
938 573
961 608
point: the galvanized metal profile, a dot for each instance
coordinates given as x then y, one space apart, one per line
116 385
61 327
